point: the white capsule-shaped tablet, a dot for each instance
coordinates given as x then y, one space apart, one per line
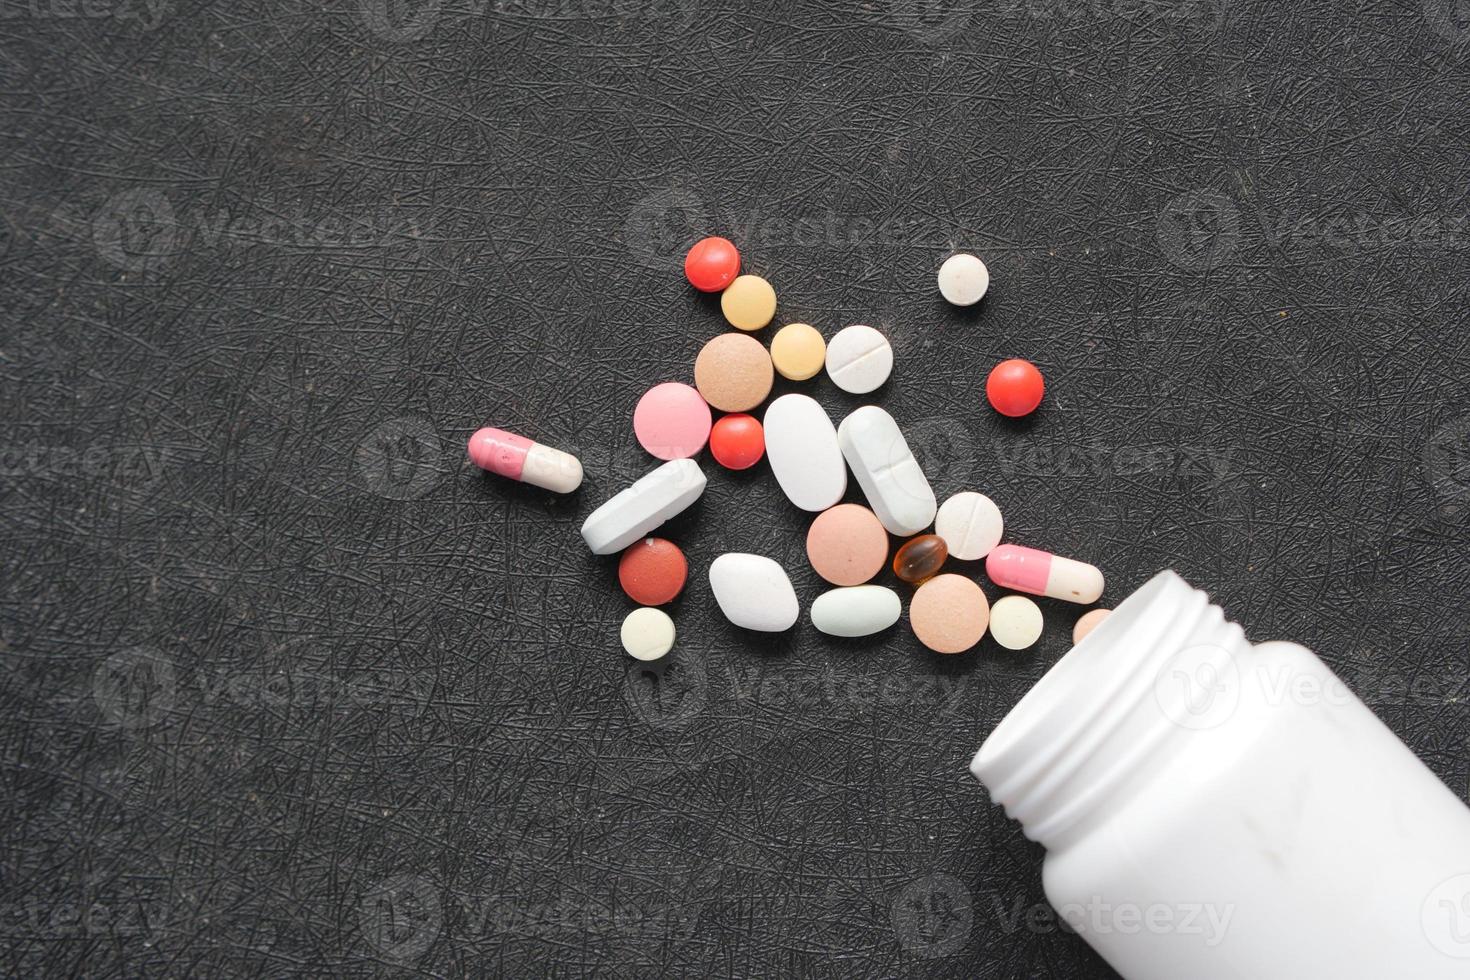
518 458
801 445
655 498
859 610
1039 573
970 525
1015 622
859 359
895 486
963 279
754 592
647 633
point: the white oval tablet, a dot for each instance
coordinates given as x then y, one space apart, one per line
970 525
859 359
1015 622
963 279
754 592
648 633
880 458
802 448
653 499
860 610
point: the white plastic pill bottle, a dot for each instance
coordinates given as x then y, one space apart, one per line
1214 809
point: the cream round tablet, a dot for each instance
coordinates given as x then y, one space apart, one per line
798 351
672 421
1015 622
647 633
847 545
859 359
963 279
748 303
1090 621
949 613
733 372
970 525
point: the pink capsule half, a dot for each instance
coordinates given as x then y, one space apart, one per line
1027 570
518 458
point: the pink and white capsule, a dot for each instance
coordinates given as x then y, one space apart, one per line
1028 570
517 457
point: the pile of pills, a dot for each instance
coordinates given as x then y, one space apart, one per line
811 458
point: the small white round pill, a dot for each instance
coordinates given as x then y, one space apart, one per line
859 359
648 633
963 279
1015 622
970 525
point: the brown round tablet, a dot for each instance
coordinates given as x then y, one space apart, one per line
949 613
652 571
734 372
847 544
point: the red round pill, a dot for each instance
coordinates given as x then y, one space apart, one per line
652 571
1015 387
737 442
712 264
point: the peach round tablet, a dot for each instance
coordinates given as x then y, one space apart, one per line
798 351
733 372
1090 621
949 613
672 421
748 303
847 545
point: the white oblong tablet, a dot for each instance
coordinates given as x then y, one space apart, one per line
754 592
801 446
859 610
1015 622
653 499
896 488
859 359
647 633
963 279
970 525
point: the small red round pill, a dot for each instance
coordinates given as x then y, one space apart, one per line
737 442
712 264
1015 387
653 571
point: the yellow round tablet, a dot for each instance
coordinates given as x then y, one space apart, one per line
748 303
798 351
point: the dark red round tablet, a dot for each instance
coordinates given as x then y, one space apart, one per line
653 571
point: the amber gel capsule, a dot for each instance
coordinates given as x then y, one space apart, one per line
920 558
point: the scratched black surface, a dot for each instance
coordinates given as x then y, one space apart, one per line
289 689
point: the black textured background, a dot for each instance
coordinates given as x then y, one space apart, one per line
290 689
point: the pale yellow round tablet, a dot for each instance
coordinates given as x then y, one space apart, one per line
648 633
1015 622
798 351
748 303
1089 622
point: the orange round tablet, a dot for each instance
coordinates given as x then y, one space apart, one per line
847 544
949 613
733 372
653 571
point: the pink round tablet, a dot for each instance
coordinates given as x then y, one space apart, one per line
672 421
